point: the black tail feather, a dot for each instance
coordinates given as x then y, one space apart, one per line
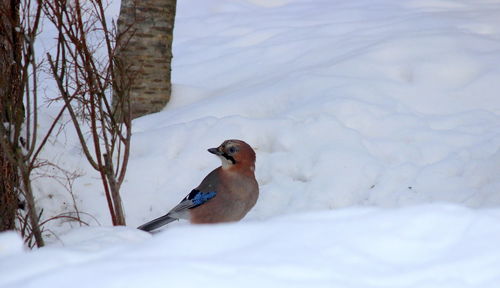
156 223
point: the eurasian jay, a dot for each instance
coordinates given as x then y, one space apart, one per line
225 195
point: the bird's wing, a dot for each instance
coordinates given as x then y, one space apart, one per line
193 200
199 196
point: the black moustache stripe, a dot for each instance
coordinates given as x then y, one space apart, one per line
230 158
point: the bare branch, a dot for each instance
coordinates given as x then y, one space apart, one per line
84 78
74 118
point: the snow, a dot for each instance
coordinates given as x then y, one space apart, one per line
376 126
427 246
385 103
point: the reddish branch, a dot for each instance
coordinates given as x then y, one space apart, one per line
84 81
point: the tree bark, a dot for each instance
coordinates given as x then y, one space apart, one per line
11 110
146 49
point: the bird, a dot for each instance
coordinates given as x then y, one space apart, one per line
225 195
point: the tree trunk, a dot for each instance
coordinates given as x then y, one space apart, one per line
11 110
14 164
146 49
9 201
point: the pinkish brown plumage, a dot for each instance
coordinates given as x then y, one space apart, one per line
225 195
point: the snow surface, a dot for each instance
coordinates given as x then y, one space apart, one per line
362 113
425 246
384 103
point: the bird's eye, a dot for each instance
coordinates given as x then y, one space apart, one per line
231 150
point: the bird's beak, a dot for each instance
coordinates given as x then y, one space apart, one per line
214 151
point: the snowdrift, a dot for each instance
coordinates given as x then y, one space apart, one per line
426 246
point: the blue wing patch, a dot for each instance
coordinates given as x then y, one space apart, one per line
202 197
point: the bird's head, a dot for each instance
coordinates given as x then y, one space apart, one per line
235 154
